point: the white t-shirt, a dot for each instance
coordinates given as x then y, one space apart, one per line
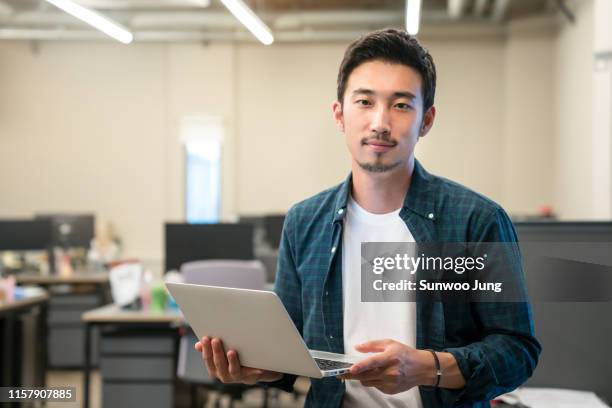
373 320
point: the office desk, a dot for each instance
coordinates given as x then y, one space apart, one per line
115 316
65 328
8 307
77 278
9 312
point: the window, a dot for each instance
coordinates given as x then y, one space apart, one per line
202 140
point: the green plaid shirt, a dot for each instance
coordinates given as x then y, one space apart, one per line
493 343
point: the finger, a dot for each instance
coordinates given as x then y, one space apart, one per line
207 356
198 346
269 376
373 346
375 374
248 371
368 375
220 359
234 365
251 375
379 360
372 383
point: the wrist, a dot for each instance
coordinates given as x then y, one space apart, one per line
451 376
428 373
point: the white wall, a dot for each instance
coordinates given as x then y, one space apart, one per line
602 106
529 115
95 126
200 80
82 128
289 147
574 184
465 143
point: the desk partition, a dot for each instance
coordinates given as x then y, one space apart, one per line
575 336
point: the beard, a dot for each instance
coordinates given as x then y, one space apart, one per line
378 166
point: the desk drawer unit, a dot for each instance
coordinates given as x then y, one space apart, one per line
67 331
137 395
137 368
66 347
137 345
61 316
70 301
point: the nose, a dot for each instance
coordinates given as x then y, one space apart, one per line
381 121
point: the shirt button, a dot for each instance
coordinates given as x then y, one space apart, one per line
331 337
326 293
333 250
430 216
340 211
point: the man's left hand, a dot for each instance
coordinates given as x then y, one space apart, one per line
394 368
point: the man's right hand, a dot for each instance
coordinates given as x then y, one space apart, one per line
226 366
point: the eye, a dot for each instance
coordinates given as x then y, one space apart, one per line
403 106
363 102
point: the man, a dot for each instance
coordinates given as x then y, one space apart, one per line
386 87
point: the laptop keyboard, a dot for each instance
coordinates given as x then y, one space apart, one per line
331 364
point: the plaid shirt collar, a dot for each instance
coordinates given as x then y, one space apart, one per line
420 197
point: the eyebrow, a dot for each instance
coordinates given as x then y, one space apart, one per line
395 95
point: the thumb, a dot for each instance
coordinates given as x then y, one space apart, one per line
373 346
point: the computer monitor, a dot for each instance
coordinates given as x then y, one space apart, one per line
25 235
575 336
273 225
254 220
194 242
71 230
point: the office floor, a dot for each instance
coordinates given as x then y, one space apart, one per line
252 398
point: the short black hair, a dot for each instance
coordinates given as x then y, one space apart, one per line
394 46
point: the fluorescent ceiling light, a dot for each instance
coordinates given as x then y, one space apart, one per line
413 16
5 9
250 20
455 8
94 19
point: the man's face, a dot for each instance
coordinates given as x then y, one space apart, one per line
382 115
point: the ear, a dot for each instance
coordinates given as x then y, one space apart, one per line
338 115
428 121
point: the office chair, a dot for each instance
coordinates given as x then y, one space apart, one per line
190 368
227 273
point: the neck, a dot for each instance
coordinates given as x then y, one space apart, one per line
381 193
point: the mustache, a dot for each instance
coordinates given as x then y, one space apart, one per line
380 137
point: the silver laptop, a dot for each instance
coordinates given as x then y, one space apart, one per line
255 324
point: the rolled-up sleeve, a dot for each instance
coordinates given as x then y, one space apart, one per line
287 286
508 352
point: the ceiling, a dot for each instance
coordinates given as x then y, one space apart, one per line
289 20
